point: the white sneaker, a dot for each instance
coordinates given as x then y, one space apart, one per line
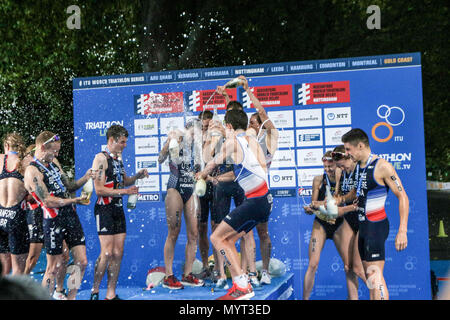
59 295
222 284
265 277
253 280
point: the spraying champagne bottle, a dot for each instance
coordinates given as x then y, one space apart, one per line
132 200
234 83
87 190
200 187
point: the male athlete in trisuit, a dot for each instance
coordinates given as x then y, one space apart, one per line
267 135
374 177
109 186
14 243
51 188
251 173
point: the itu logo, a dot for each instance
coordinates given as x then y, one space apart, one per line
393 116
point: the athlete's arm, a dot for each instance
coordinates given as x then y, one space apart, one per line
35 185
221 90
128 181
71 184
317 181
100 165
390 177
224 154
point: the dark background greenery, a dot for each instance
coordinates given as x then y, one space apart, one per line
39 55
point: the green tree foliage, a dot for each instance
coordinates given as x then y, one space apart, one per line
39 55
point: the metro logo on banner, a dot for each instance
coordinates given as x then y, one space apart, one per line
322 92
196 100
156 103
270 96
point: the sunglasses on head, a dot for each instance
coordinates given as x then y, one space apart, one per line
327 159
52 139
338 155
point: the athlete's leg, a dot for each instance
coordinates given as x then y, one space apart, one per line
224 239
375 280
33 256
114 264
248 252
80 262
343 240
219 259
54 263
62 271
103 260
5 260
316 243
357 265
203 242
191 213
265 243
174 208
18 262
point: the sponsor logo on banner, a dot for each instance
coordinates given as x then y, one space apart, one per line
156 103
281 193
149 197
196 100
333 136
150 163
168 124
150 184
306 176
282 178
304 192
286 139
337 116
282 119
146 145
322 92
146 127
394 116
309 157
270 96
102 126
308 118
283 159
400 161
309 137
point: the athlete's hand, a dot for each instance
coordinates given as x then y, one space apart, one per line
132 190
82 200
244 82
143 173
401 241
221 90
200 175
308 209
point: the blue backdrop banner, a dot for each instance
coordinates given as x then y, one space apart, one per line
313 103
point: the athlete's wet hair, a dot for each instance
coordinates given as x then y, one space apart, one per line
46 137
356 136
204 115
30 150
237 118
234 105
327 156
116 131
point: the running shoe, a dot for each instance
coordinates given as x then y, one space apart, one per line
265 277
204 274
94 296
59 295
171 282
191 281
253 280
221 284
236 293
